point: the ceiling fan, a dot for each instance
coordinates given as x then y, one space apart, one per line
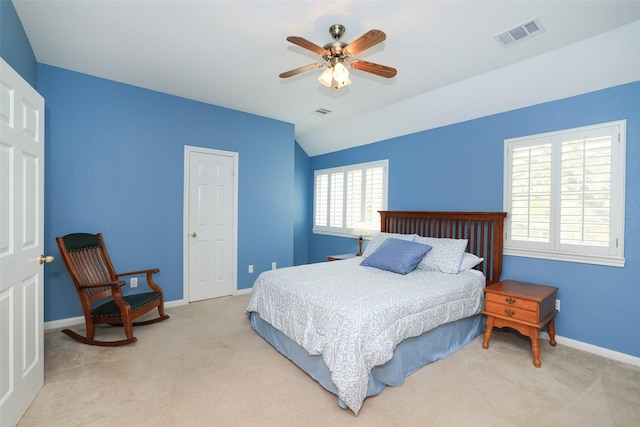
338 53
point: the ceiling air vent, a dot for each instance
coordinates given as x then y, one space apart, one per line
521 32
321 112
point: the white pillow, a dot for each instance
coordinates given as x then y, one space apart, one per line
381 237
445 256
469 261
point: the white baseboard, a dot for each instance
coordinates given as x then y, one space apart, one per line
594 349
71 321
175 303
63 323
242 291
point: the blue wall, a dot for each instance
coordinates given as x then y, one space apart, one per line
15 48
302 219
114 164
460 167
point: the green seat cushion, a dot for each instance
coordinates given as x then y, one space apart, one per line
136 301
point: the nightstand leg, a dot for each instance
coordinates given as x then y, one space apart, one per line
551 328
535 346
487 332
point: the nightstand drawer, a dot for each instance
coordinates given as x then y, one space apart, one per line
512 312
513 301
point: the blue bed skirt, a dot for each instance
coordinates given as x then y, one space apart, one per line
409 356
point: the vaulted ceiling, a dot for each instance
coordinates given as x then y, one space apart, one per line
450 66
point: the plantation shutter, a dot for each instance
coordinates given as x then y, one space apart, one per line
349 195
354 196
374 196
322 200
336 199
531 193
585 190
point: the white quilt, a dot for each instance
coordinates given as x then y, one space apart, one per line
355 316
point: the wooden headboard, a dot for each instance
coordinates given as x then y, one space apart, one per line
485 231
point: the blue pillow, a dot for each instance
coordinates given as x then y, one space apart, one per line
397 256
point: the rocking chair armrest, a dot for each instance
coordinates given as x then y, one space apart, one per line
133 273
113 284
149 273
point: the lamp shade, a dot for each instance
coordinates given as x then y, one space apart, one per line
326 77
360 230
340 72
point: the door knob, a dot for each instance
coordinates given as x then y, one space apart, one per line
46 259
194 234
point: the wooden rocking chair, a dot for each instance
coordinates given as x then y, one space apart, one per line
87 260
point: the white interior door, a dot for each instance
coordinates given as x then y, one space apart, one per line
211 222
21 246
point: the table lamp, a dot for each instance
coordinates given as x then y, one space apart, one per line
360 230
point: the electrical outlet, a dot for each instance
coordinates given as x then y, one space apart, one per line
273 265
558 304
251 268
134 282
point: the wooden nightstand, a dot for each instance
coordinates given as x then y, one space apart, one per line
524 307
340 257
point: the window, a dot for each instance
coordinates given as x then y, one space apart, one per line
564 194
349 195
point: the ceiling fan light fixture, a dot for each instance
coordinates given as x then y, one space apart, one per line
343 83
340 72
336 76
326 77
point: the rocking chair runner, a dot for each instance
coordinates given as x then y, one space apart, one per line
89 265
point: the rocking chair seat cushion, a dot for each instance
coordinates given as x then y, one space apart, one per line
136 301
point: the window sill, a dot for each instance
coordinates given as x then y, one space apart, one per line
583 259
339 234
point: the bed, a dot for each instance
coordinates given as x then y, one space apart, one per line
356 329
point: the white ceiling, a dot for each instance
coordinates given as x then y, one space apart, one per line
450 68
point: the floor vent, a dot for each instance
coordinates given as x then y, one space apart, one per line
520 32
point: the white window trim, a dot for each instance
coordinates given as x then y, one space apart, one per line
346 231
617 197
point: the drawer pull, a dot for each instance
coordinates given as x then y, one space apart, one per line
510 300
509 312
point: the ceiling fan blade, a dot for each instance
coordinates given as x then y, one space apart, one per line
365 41
299 70
377 69
307 45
